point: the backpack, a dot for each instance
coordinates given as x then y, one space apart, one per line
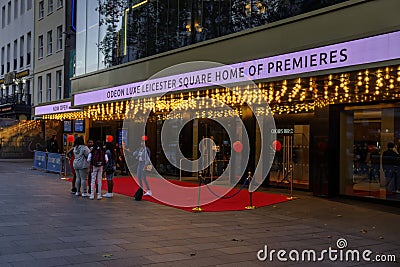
110 166
98 158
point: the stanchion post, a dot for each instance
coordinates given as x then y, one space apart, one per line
250 207
198 208
291 181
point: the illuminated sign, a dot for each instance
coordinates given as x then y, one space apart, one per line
6 109
22 74
373 49
54 108
9 77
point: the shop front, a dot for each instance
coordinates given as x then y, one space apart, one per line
308 142
334 98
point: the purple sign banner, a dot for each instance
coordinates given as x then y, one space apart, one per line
362 51
54 108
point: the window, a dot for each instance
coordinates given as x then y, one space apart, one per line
9 13
22 7
27 92
40 89
59 84
41 9
15 52
3 16
49 42
21 51
16 9
50 6
28 48
2 60
59 38
40 46
59 3
28 87
48 86
28 4
8 57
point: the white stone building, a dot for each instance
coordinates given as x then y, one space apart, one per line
16 58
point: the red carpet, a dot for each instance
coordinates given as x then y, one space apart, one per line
127 186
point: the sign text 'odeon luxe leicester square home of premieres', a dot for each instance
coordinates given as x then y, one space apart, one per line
362 51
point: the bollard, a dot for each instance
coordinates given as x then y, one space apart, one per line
250 207
198 208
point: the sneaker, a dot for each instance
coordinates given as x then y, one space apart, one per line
148 193
108 195
99 196
77 194
91 196
85 195
73 191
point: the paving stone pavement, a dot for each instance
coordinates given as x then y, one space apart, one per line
42 224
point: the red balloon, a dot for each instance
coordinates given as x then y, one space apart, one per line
276 144
144 138
109 138
70 138
237 146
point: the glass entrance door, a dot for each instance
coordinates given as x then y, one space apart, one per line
222 147
292 157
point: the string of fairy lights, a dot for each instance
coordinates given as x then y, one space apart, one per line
26 126
288 96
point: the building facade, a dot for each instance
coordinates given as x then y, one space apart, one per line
16 59
50 28
54 58
331 78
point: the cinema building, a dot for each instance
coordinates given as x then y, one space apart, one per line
331 77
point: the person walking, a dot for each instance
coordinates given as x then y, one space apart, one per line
81 166
71 157
142 154
110 169
97 158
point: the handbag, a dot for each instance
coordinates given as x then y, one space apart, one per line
148 168
110 169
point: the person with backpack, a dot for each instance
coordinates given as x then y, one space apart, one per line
81 166
110 169
98 159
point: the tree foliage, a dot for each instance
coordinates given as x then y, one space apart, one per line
111 11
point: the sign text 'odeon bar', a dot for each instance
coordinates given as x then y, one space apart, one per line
373 49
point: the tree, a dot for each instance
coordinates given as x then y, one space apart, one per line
110 13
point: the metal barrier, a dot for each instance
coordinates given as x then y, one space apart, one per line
40 160
52 162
